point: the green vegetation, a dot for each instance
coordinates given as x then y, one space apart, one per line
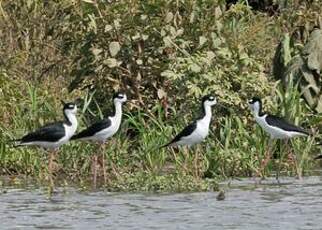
165 55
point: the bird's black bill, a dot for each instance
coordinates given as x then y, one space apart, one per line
78 101
63 103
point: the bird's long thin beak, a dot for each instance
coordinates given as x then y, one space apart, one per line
78 102
62 102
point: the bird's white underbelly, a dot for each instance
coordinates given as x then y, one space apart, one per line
104 134
275 132
69 132
47 144
195 137
108 132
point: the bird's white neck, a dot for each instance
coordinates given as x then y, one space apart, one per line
257 110
70 118
258 114
118 111
207 113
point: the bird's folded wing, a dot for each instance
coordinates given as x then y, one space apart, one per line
283 124
51 133
185 132
93 129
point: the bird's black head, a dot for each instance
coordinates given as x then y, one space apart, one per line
70 107
255 105
255 99
209 100
119 97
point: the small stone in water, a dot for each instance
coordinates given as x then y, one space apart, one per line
221 195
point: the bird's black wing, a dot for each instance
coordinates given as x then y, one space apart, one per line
185 132
94 128
51 133
283 124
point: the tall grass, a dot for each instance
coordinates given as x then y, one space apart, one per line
234 148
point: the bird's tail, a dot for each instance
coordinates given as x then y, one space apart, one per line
15 143
75 137
163 146
167 145
318 157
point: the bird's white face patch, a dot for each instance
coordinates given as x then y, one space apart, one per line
121 98
276 132
70 108
73 109
254 106
210 101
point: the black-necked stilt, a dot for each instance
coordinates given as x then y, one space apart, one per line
53 135
102 130
195 132
198 130
277 127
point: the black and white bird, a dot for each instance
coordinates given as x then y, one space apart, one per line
276 127
53 135
102 130
198 130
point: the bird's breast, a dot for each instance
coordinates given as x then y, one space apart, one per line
202 129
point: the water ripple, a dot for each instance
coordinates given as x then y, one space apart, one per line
290 205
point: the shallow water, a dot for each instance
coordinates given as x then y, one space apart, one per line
292 205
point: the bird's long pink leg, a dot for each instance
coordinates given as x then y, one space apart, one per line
94 169
186 155
50 167
103 162
292 156
196 162
266 159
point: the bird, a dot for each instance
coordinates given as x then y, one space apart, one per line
53 135
197 130
102 130
276 127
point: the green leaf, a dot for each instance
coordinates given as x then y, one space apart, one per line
114 48
169 17
202 40
195 68
111 62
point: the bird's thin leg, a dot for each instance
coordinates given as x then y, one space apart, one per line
281 160
292 156
94 169
196 162
185 160
113 166
50 168
103 162
266 159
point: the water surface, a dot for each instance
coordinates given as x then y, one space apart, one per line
292 205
